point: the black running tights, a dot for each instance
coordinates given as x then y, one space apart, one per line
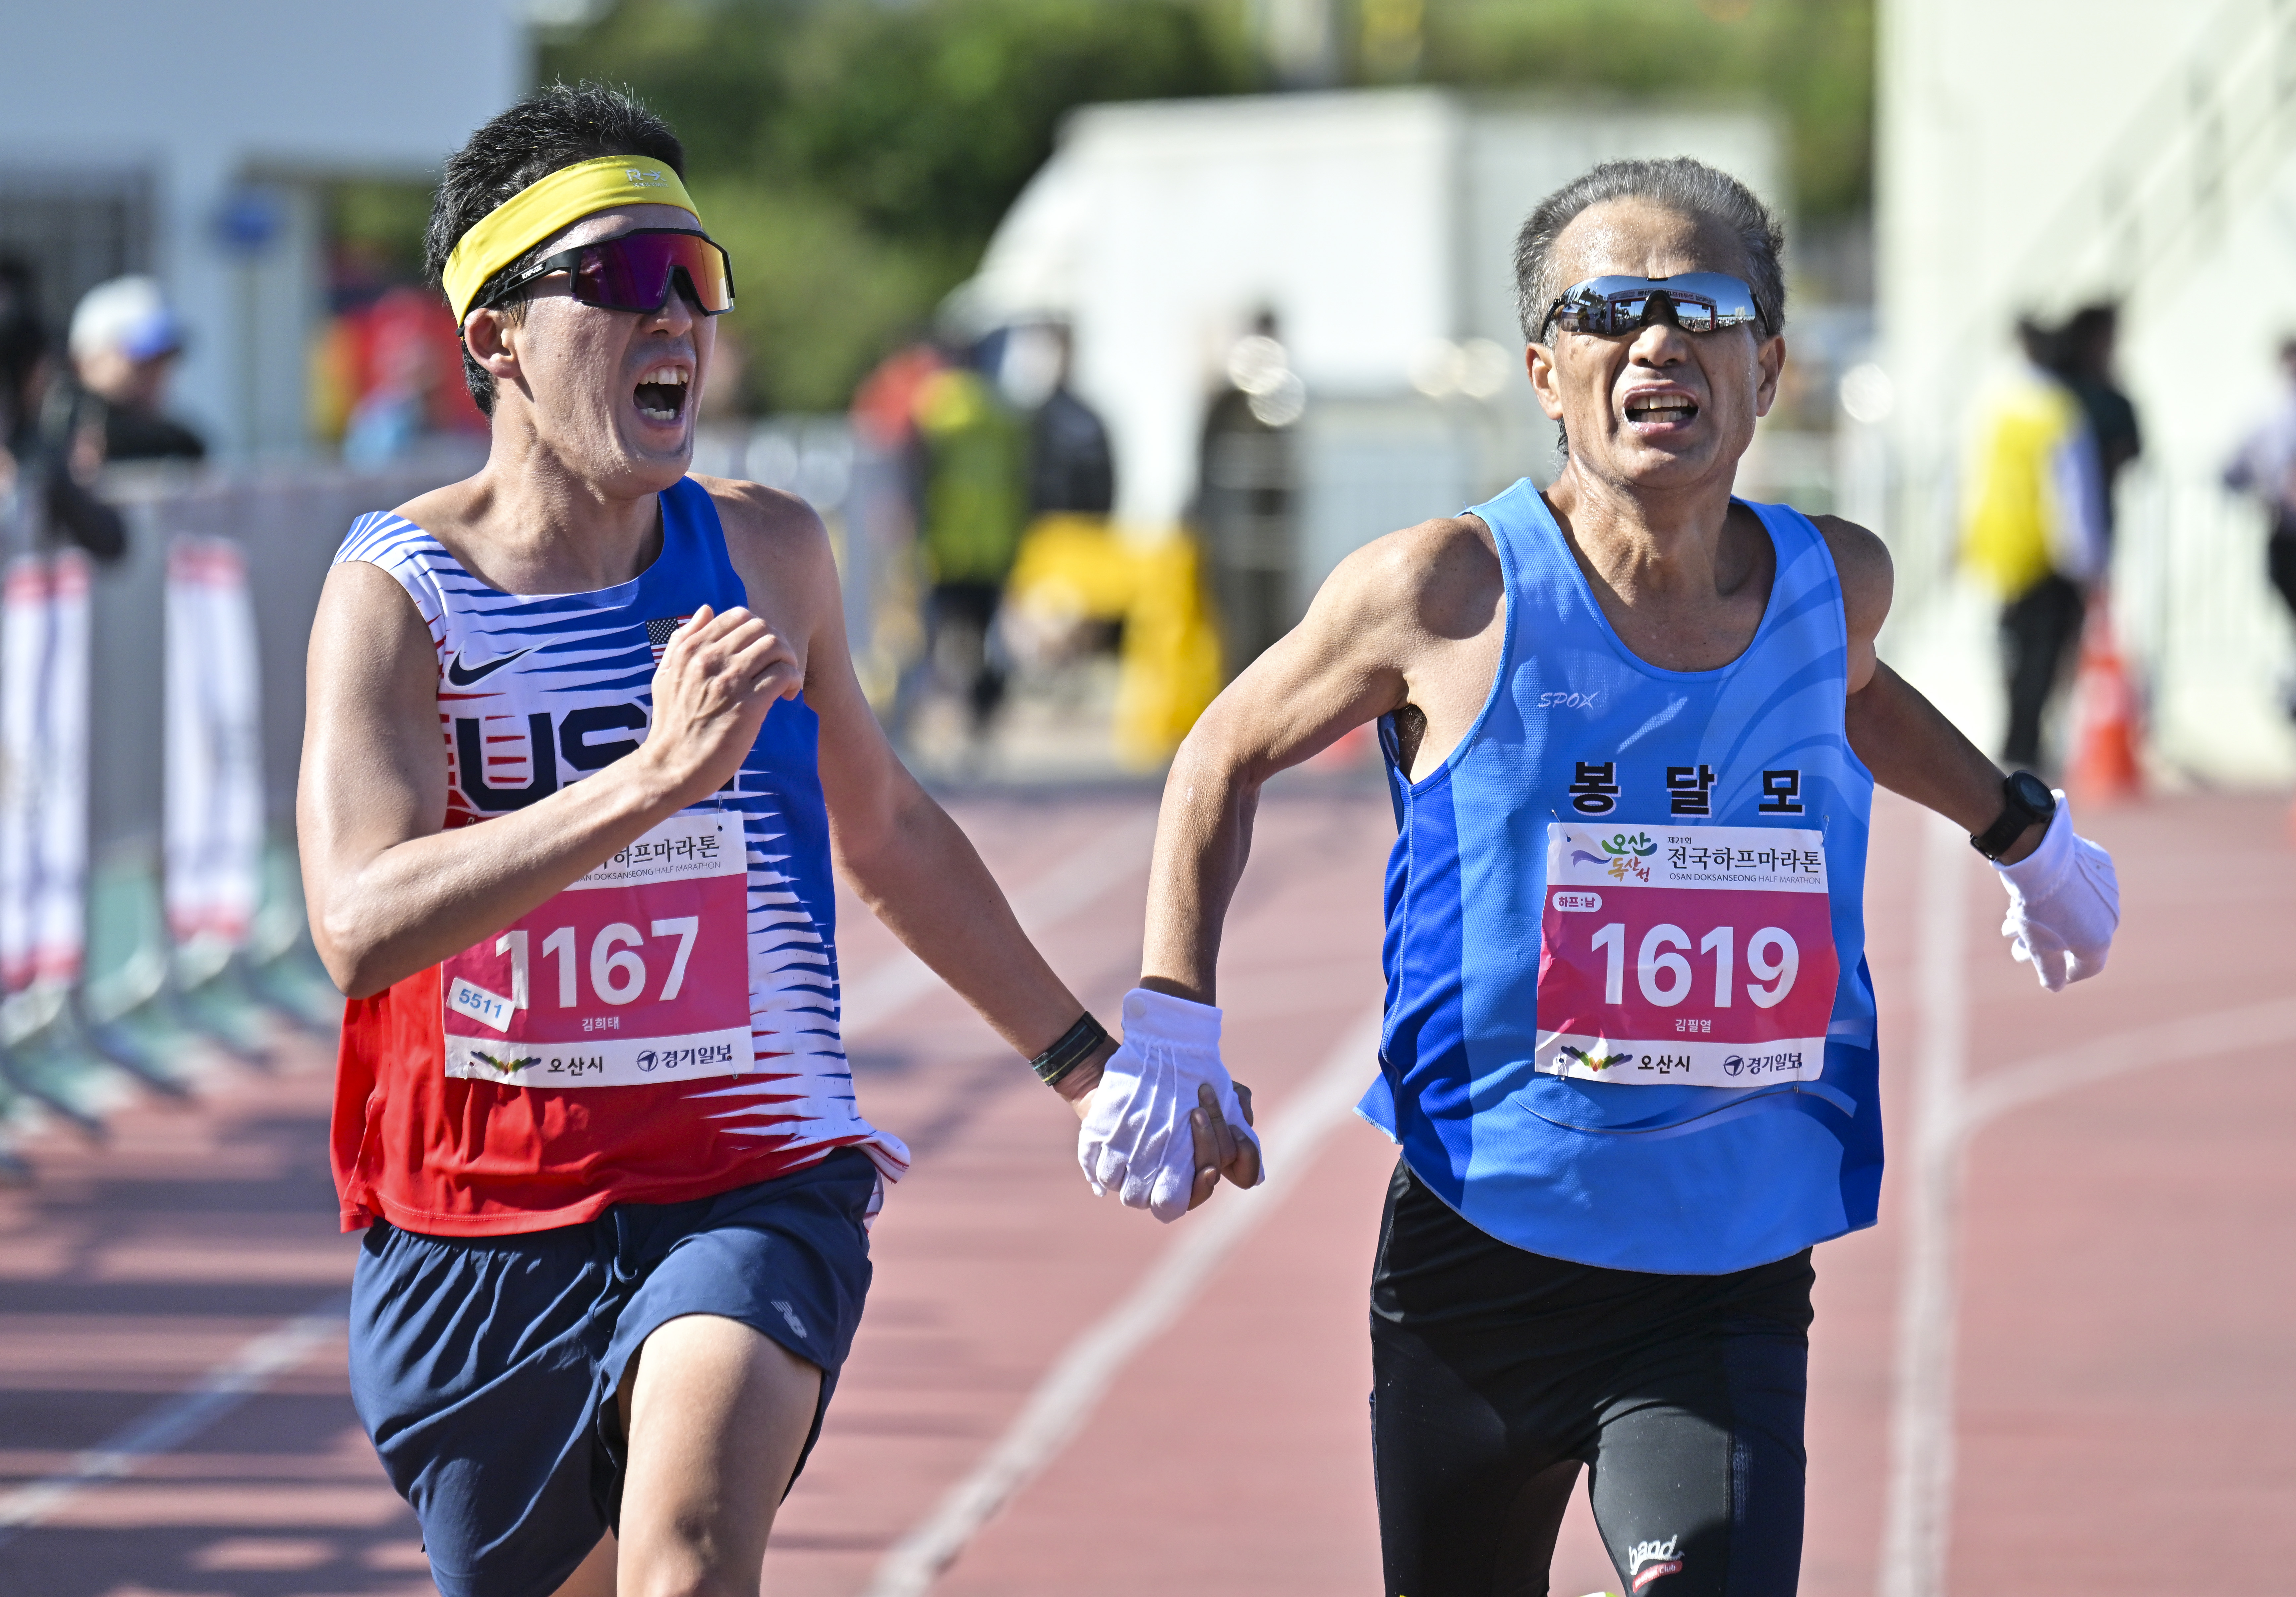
1690 1426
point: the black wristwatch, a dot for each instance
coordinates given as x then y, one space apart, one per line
2026 799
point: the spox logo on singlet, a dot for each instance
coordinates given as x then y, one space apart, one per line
1647 1561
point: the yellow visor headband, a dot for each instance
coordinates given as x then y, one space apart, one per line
550 205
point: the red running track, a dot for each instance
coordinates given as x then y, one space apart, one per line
2122 1304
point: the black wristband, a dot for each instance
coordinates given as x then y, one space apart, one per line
1073 1046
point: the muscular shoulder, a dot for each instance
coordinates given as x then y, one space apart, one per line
765 522
769 531
372 658
1862 559
781 549
1440 578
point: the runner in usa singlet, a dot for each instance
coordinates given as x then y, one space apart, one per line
666 1027
1628 1022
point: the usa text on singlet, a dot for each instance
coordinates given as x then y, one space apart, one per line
666 1027
1628 1020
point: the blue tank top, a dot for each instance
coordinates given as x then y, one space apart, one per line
1628 1021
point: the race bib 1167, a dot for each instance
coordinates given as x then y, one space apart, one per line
637 974
1689 956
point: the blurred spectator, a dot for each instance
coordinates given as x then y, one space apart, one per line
884 409
35 466
2033 526
125 343
24 364
389 373
1245 494
2085 362
972 454
1070 470
880 521
24 374
2265 466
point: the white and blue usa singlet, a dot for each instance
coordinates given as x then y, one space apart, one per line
1628 1021
664 1029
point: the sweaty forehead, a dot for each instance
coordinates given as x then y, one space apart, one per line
1640 238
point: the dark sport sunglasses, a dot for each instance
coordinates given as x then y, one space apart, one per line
1606 306
636 270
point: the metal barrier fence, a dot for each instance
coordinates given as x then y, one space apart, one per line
2208 646
2209 640
153 995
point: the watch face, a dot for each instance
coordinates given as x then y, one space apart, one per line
2033 793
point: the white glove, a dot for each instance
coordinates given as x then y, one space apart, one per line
2064 904
1136 1138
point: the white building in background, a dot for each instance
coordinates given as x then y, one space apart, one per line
190 140
2036 155
1377 227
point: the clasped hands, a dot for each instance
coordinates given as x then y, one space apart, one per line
1165 1121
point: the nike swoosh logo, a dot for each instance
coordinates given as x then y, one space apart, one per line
462 678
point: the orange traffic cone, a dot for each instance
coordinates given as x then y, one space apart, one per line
2104 767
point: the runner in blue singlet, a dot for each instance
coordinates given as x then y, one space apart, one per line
1632 727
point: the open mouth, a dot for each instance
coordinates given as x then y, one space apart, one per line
661 394
1661 408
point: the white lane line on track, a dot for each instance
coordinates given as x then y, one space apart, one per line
2172 1041
257 1363
1921 1412
1064 1400
1106 858
1951 1110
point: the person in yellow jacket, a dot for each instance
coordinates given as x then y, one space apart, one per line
974 506
2033 530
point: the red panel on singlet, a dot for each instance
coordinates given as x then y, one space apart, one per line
446 1156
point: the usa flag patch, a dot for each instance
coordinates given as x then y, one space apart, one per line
660 630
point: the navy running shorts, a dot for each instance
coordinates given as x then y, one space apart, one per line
485 1369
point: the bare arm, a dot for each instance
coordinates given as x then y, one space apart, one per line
897 848
1905 739
1912 749
390 890
1364 645
1388 622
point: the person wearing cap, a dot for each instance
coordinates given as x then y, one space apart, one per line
585 747
125 341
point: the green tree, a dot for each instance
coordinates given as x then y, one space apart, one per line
930 120
1811 59
855 156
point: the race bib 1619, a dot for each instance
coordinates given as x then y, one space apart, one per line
1691 955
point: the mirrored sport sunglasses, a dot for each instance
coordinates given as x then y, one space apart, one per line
1606 306
636 270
